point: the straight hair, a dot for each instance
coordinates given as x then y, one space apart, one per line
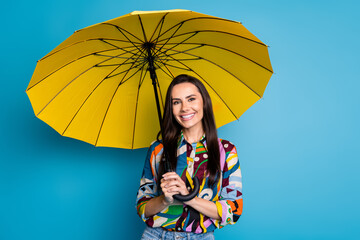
172 130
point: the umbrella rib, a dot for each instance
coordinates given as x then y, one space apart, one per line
225 71
121 30
87 55
187 50
119 40
161 24
191 19
161 60
174 59
212 31
106 77
168 38
170 65
70 83
111 65
168 74
166 66
179 43
142 28
225 49
222 100
102 55
75 43
130 68
111 100
213 88
196 32
104 41
173 66
132 51
213 18
160 93
142 77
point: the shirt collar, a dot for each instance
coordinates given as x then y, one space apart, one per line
182 139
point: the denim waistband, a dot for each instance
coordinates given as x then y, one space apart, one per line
159 233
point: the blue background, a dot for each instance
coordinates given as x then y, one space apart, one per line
298 146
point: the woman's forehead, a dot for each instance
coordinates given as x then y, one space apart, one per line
183 90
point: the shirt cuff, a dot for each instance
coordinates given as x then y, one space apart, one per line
225 213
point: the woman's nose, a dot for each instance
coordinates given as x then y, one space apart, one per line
184 106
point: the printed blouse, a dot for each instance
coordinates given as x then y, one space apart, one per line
192 161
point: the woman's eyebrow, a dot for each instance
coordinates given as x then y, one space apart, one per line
191 95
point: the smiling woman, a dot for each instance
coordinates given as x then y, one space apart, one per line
193 150
188 110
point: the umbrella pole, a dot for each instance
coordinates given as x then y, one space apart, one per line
167 166
153 79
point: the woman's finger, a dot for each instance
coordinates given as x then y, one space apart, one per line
175 183
171 177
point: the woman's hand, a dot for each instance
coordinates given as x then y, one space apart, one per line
172 184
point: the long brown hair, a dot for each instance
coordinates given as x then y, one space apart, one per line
172 129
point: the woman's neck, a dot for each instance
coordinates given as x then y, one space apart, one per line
193 135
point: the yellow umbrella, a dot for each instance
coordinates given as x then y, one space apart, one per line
96 87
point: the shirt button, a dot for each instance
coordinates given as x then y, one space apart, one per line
179 228
186 209
188 188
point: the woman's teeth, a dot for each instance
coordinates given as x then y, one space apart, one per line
188 116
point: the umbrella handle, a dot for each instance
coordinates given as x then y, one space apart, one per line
192 194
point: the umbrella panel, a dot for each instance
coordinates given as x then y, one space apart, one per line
109 61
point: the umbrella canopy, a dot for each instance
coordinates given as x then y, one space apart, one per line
96 87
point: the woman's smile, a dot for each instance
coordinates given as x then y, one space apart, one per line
187 106
187 117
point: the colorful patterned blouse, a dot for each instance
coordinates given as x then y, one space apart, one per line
192 161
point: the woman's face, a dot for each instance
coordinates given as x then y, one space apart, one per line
187 105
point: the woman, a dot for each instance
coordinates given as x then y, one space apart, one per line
193 148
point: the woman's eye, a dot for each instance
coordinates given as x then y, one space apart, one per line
175 102
191 99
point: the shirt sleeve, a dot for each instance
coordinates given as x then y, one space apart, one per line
230 201
148 183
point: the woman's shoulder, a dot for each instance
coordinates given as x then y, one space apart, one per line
156 145
226 144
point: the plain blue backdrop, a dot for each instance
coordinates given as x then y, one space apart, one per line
298 146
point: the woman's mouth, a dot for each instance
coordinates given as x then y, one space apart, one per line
187 117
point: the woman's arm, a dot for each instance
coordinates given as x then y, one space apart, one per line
175 184
157 204
205 207
148 191
230 201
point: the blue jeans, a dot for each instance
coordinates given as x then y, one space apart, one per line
159 233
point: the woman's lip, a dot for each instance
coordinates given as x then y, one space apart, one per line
187 116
